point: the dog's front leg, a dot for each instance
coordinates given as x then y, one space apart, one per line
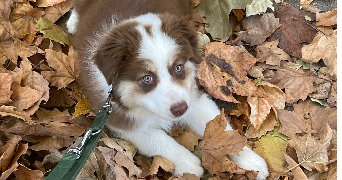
151 142
205 110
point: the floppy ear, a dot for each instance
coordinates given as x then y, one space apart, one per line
183 31
116 48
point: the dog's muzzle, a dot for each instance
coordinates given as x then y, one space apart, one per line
179 109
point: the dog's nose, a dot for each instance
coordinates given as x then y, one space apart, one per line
179 109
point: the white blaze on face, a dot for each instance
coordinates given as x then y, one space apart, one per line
161 50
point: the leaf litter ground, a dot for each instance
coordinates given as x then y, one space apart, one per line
280 68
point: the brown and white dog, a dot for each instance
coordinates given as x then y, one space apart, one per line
147 49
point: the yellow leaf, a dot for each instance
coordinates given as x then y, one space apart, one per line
82 107
271 148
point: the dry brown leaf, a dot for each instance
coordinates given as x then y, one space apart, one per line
224 71
293 30
270 53
312 152
47 3
7 50
217 143
125 147
322 47
51 142
327 19
59 98
5 9
291 123
186 176
260 108
35 88
159 161
259 27
28 174
267 125
144 163
7 151
5 88
9 111
297 171
53 13
65 67
24 17
317 116
24 50
297 83
305 2
274 94
188 139
7 31
116 161
47 115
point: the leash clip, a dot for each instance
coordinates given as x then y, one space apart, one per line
108 105
78 150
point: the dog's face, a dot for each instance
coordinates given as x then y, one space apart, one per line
151 62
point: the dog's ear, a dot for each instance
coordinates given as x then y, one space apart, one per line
116 49
183 30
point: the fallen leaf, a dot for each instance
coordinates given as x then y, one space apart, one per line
52 31
260 108
186 176
258 7
46 3
260 27
224 71
5 9
296 170
271 148
7 50
28 174
66 70
125 147
7 151
9 111
47 115
274 94
5 88
327 19
25 97
117 161
53 13
317 116
159 161
59 98
305 2
297 83
23 49
293 30
83 107
188 139
270 53
291 123
217 13
267 125
322 47
24 18
312 152
7 31
51 142
217 143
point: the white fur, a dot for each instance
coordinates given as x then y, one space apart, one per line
72 22
151 111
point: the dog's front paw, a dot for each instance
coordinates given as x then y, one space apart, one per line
188 164
250 160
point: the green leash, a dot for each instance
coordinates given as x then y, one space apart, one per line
74 159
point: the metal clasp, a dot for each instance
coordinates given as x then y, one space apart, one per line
78 150
108 105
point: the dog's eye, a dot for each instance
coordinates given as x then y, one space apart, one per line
147 79
178 69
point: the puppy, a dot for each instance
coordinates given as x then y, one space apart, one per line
147 49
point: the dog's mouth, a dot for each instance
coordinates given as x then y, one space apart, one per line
177 110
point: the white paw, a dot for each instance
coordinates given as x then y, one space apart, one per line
250 160
188 164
